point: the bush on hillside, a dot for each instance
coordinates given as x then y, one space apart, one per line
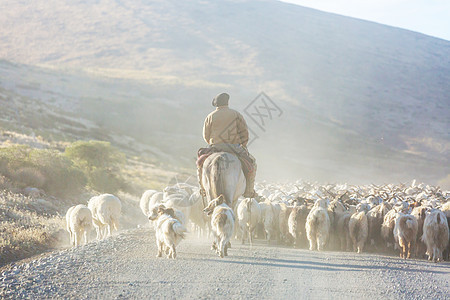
101 163
45 169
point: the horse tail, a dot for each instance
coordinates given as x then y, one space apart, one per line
218 179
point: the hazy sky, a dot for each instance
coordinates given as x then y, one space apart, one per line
431 17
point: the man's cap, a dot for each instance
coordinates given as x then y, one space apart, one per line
221 100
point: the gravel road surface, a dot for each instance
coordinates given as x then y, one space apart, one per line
125 266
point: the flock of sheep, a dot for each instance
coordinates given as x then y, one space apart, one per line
102 212
411 219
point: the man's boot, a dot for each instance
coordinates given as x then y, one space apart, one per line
250 187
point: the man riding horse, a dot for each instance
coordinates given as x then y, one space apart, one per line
225 130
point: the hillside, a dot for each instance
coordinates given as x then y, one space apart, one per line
360 101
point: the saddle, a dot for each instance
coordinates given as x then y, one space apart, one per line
204 153
246 161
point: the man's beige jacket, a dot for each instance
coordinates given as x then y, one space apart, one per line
225 125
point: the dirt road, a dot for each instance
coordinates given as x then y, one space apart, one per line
125 266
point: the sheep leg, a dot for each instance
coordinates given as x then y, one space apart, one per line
109 230
172 252
320 244
342 242
71 237
355 248
348 242
226 249
312 244
250 234
76 239
97 229
438 255
221 247
160 248
214 246
408 250
360 247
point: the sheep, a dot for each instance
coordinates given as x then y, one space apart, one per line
196 216
178 198
363 207
420 214
317 227
106 210
351 209
248 215
435 234
358 230
285 211
335 210
145 199
156 199
69 211
446 210
405 233
270 213
342 230
387 228
79 224
375 218
296 223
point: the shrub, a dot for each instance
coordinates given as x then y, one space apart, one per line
106 181
46 169
63 176
100 162
29 176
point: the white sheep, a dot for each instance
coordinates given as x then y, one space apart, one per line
79 224
270 213
435 234
155 199
106 210
145 200
358 229
249 215
317 227
405 233
196 216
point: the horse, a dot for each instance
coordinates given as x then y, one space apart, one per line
222 175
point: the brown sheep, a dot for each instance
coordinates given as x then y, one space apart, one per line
342 231
283 221
375 219
420 214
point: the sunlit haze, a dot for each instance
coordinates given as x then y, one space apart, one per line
428 17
